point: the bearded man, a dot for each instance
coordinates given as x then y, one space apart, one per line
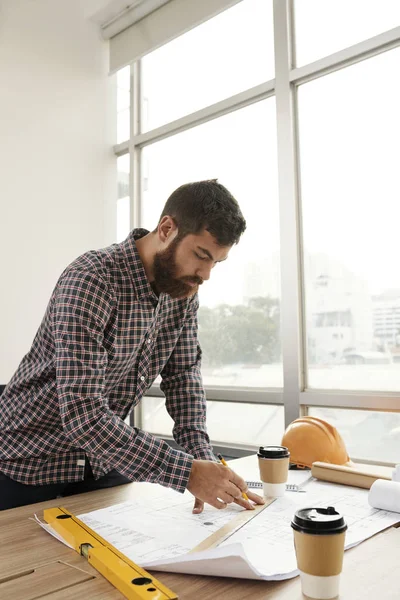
117 318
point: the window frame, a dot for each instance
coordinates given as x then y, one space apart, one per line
295 395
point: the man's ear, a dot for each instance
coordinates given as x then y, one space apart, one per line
167 229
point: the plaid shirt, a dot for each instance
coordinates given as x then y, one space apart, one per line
104 339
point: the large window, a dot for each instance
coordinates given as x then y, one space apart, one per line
123 198
368 435
310 149
239 318
351 211
259 424
324 27
224 56
123 104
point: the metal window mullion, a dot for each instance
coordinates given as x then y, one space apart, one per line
121 149
232 394
290 255
237 450
135 185
208 113
346 57
134 150
380 401
244 395
203 115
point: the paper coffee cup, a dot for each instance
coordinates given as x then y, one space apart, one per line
273 462
319 535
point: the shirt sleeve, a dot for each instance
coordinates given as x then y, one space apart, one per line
184 392
83 307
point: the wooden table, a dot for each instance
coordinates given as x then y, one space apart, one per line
54 572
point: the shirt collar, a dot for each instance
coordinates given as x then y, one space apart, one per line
135 266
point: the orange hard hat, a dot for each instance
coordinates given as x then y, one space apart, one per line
310 439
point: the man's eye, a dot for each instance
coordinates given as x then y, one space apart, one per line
201 257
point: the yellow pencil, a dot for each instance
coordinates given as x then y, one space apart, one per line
221 458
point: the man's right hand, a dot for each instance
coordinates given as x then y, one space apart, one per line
216 484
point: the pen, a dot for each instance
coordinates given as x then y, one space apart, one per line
221 458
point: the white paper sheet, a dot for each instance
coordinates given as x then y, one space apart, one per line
385 495
158 533
149 530
50 530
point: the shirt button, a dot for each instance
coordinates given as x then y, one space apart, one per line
142 378
149 341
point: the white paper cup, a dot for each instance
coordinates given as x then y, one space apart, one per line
321 588
274 490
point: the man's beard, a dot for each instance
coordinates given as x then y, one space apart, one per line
165 274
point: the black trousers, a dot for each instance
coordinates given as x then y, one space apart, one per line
13 493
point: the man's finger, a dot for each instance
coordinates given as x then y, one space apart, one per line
218 504
233 490
237 480
255 497
245 504
251 496
226 497
236 486
198 506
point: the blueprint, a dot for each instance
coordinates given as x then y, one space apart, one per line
159 533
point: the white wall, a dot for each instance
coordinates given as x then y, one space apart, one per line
57 169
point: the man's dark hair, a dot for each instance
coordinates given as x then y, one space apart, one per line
206 205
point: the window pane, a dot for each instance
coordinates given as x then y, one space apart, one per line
323 28
123 104
123 204
252 424
223 56
349 132
239 318
368 435
249 424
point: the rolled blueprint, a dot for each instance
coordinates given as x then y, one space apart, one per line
385 495
396 473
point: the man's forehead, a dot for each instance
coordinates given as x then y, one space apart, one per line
205 241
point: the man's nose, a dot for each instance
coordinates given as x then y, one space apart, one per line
204 271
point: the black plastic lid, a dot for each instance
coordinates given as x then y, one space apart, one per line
273 452
318 521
